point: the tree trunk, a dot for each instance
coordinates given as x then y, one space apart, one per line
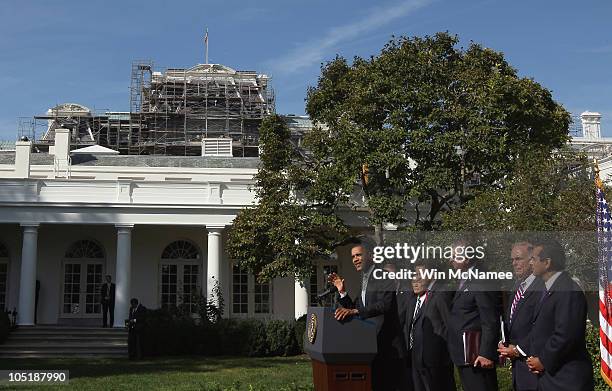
378 234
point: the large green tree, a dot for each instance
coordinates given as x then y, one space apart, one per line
402 130
424 116
282 233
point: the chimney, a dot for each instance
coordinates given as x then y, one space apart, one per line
62 150
591 124
22 159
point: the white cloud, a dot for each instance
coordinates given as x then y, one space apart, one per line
605 49
313 52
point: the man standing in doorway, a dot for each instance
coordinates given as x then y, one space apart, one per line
107 299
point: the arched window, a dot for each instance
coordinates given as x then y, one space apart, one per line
83 269
180 270
85 249
181 249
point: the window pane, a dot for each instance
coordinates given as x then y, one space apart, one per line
240 297
262 298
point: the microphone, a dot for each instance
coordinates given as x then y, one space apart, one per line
327 292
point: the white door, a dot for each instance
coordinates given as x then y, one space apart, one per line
81 289
178 283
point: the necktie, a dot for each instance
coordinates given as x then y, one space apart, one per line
364 286
461 284
517 297
420 300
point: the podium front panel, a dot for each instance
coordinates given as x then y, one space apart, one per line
331 341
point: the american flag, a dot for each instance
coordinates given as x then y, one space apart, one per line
604 239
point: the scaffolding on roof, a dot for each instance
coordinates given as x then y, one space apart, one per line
170 112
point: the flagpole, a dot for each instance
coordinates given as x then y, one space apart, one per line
598 181
206 42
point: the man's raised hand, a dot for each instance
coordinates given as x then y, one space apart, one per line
338 282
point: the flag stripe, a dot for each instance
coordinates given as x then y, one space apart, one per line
604 344
605 359
605 373
604 323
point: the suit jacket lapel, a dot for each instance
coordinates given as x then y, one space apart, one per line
541 304
459 291
370 288
551 291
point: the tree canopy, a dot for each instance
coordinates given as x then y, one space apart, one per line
282 233
543 196
405 129
424 116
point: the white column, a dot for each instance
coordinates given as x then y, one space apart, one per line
301 299
27 282
123 273
213 272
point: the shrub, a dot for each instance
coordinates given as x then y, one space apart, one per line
237 337
169 332
281 338
300 331
257 341
172 332
5 326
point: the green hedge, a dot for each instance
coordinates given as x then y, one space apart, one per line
5 326
168 333
300 331
592 341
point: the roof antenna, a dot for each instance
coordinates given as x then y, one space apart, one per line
206 44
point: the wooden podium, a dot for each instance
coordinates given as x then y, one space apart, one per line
341 352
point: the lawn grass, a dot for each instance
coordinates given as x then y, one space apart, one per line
183 373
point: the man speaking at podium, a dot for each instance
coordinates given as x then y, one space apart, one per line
377 302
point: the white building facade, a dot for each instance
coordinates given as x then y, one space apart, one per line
156 224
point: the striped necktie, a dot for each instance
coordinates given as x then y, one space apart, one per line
517 297
419 302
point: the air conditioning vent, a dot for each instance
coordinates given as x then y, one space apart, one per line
217 147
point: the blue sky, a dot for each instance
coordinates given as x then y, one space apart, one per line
81 51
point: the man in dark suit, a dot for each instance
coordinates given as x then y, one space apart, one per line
136 324
107 299
518 316
474 308
376 302
557 349
424 316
